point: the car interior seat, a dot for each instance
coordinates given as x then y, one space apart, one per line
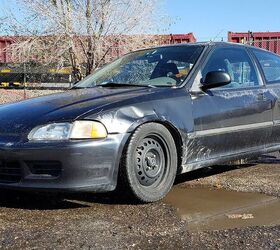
164 70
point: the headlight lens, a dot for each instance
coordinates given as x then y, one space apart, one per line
88 130
51 132
65 131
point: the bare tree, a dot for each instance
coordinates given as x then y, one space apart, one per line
82 33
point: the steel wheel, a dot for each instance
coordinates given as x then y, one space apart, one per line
149 164
151 160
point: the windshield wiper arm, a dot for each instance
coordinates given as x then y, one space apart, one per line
115 84
80 87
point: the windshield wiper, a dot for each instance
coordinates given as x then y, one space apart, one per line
78 86
115 84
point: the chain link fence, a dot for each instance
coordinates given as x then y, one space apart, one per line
272 45
35 76
22 81
27 69
28 75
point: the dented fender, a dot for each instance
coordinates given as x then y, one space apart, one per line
127 118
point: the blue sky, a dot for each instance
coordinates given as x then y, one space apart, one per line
209 19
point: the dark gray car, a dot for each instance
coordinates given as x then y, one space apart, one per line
136 123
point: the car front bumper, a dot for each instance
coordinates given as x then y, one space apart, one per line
65 166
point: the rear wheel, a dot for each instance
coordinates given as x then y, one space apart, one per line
149 164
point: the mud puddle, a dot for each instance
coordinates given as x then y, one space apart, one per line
217 209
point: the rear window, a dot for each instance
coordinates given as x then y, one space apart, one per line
270 64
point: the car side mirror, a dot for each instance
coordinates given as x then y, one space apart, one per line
215 79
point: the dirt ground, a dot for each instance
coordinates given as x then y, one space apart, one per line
87 221
107 221
239 178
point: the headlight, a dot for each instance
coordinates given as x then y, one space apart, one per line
88 130
65 131
51 132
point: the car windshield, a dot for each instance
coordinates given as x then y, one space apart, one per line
158 67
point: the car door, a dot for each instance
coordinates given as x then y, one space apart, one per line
234 118
270 66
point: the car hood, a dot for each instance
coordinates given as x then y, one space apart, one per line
18 118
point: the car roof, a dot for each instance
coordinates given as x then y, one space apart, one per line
207 43
213 44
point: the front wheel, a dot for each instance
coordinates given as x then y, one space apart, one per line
149 164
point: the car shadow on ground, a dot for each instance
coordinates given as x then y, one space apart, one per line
35 201
50 201
268 159
209 171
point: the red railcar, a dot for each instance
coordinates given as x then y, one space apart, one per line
9 72
119 47
180 38
265 40
4 43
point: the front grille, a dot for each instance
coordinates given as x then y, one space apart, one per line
45 168
10 172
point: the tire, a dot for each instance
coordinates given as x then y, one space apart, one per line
149 163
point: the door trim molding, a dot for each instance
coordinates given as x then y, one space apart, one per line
225 130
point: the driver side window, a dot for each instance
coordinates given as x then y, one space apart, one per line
237 63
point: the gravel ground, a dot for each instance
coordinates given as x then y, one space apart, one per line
9 95
90 224
266 179
245 238
86 221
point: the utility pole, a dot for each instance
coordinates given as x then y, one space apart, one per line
250 37
24 80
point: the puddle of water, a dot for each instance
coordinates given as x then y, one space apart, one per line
217 209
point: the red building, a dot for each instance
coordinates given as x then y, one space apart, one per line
266 40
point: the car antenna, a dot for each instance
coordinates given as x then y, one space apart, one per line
218 34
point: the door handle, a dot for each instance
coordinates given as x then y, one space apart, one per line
261 97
